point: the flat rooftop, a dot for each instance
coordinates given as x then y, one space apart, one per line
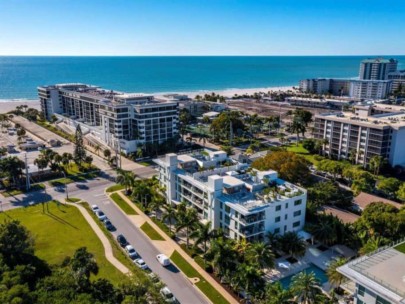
394 120
382 271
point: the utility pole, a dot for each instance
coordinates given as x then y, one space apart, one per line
27 176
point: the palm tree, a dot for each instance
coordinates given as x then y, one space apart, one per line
125 179
262 253
324 231
276 294
97 149
291 243
169 215
297 126
202 234
187 220
107 153
156 203
83 263
223 255
334 276
306 288
375 164
249 275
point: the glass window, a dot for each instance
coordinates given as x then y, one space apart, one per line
286 216
298 202
278 219
296 224
286 206
278 208
297 213
227 209
277 230
382 301
361 290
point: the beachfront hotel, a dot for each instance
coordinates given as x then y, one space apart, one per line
378 277
372 130
378 78
117 119
244 202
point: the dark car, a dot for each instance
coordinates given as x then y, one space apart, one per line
122 240
109 225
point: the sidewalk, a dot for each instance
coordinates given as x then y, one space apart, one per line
168 246
106 243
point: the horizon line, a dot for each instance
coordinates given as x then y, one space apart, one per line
208 55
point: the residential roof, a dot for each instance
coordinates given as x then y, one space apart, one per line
365 199
344 215
211 114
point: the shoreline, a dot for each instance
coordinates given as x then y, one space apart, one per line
9 104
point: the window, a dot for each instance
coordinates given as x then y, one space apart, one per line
361 290
278 208
227 209
286 206
296 224
286 216
277 230
297 213
278 219
298 202
221 205
382 301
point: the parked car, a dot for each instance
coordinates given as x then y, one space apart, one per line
167 295
163 260
131 251
95 208
100 215
141 264
109 225
122 240
154 278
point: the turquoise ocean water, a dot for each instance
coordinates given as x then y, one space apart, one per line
19 76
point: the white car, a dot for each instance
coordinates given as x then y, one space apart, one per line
167 295
163 260
131 251
100 215
141 264
95 208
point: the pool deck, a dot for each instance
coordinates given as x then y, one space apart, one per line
314 256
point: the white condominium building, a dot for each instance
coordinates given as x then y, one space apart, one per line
363 134
133 120
379 277
244 202
377 68
370 89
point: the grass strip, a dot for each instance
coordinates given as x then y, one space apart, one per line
14 192
114 188
123 204
400 247
151 232
214 295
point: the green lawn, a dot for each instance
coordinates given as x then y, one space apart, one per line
61 181
401 247
14 192
59 230
203 285
123 204
115 188
73 200
151 232
297 149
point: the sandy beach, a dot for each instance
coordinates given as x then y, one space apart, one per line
7 105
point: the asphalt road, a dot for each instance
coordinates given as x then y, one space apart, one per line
181 287
92 191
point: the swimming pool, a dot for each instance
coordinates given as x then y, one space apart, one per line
319 274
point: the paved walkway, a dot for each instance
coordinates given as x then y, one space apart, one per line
168 246
104 240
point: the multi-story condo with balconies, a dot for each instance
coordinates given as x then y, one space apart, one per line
363 135
377 278
127 120
377 68
244 202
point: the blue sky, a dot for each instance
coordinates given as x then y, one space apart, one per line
202 27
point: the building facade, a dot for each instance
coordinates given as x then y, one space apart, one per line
398 80
377 68
125 120
359 136
370 89
378 277
244 202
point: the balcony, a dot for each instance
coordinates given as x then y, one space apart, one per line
251 219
